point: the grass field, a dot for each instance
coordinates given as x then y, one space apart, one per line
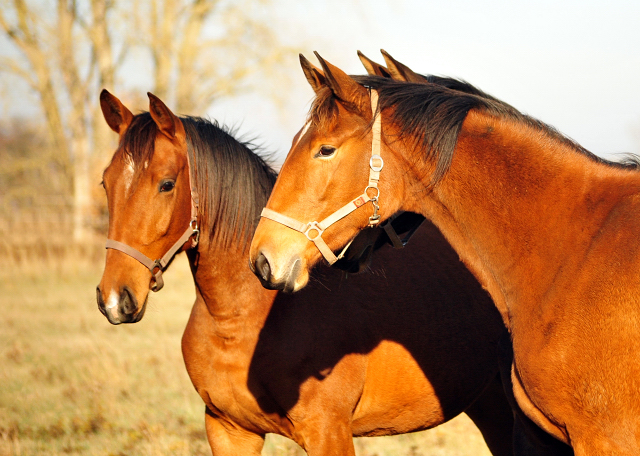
72 384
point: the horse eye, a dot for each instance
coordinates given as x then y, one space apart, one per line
326 151
167 186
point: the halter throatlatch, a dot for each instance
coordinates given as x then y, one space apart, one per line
313 230
191 233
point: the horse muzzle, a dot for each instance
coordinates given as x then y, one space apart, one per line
120 307
289 279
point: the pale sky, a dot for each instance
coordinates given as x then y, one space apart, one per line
572 64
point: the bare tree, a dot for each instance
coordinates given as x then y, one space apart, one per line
204 49
69 50
64 53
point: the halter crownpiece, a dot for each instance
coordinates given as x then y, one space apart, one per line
191 233
313 230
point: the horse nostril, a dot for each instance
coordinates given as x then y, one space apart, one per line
262 267
128 304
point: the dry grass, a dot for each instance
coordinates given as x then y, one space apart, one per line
73 384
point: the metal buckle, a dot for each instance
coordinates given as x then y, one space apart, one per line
196 231
375 218
313 226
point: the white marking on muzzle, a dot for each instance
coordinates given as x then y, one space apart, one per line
113 300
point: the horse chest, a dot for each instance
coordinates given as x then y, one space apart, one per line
223 386
218 364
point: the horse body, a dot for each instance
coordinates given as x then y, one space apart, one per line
363 356
548 229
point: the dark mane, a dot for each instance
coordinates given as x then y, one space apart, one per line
461 86
232 181
433 113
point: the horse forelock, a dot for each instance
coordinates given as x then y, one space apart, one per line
139 140
323 112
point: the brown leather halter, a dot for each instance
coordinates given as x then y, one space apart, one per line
191 233
313 230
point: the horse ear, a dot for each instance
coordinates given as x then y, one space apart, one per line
373 68
116 114
400 72
313 74
167 122
344 87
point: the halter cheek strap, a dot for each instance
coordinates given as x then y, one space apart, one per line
313 230
191 233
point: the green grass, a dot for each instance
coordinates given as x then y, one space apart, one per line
72 384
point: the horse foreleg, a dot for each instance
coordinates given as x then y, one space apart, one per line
228 440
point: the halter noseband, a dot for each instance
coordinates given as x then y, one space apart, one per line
157 266
313 230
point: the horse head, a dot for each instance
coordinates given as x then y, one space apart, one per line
149 195
327 167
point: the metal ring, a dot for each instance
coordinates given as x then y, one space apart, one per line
373 167
156 267
313 226
377 190
196 231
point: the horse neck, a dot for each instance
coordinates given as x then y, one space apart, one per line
225 283
519 206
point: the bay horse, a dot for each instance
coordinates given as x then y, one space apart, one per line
380 353
547 228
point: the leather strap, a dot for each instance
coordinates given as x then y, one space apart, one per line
395 240
392 233
313 230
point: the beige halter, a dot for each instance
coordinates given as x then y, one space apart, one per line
313 230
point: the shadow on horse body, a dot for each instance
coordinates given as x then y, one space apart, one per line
548 229
380 353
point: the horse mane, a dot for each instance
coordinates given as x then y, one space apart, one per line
460 85
432 113
233 182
